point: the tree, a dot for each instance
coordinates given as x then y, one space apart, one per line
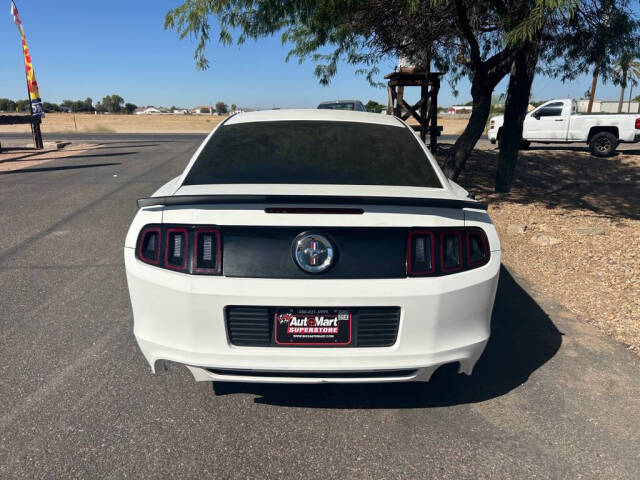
234 107
113 103
374 107
205 110
482 40
50 107
593 38
627 71
7 105
222 108
68 104
461 37
100 108
130 108
23 105
564 34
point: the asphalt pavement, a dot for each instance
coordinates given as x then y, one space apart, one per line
550 398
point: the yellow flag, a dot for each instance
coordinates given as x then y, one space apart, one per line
32 84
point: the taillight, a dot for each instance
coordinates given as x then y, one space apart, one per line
441 251
477 248
450 251
149 245
420 248
175 256
638 123
207 251
195 250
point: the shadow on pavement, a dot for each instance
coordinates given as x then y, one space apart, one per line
53 169
523 338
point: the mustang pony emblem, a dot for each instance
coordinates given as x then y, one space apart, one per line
312 252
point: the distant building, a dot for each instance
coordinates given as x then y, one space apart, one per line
146 111
456 109
607 106
202 110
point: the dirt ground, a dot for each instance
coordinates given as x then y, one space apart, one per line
450 126
571 226
85 123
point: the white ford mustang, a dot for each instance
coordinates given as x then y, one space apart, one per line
312 246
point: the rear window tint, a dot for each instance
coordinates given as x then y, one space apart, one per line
313 152
337 106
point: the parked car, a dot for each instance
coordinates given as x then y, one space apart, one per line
355 105
312 246
557 121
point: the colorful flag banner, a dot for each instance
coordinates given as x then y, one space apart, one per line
32 84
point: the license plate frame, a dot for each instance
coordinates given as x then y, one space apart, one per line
313 326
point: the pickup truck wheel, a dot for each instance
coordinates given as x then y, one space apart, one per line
603 144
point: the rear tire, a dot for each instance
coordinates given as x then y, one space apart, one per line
603 144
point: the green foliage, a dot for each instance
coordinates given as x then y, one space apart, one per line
130 107
221 108
50 107
205 110
540 15
77 106
360 33
113 103
234 107
7 105
598 33
626 70
23 106
374 107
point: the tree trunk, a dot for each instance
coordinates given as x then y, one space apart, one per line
520 80
594 84
461 150
624 84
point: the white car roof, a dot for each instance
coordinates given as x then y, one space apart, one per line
314 114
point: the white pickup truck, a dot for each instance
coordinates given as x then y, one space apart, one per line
557 121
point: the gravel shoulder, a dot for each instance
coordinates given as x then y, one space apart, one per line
571 227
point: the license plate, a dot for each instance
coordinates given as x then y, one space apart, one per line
313 326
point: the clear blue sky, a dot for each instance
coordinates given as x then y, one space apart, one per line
90 49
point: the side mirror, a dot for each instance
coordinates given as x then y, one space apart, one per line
536 115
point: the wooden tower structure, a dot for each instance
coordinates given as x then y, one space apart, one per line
425 111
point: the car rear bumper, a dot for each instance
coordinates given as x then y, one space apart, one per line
180 318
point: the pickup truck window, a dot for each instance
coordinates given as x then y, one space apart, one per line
313 152
551 110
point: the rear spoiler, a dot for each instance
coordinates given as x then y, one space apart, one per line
291 200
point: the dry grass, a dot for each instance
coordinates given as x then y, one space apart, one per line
450 126
590 205
85 123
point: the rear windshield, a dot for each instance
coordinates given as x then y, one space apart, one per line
313 152
337 106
